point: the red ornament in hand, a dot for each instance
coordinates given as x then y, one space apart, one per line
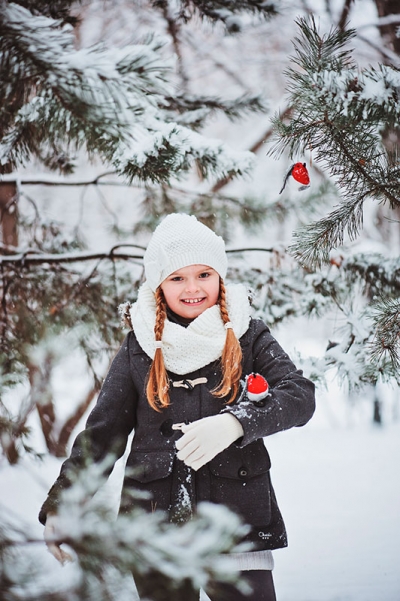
299 172
257 387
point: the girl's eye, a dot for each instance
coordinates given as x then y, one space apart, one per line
177 278
206 274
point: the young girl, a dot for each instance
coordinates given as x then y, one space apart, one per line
176 381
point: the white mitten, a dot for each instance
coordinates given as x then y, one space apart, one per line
51 534
203 439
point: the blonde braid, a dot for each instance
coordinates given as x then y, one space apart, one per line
231 359
158 382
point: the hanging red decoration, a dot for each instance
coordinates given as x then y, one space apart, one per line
299 172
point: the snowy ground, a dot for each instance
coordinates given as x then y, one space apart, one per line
339 491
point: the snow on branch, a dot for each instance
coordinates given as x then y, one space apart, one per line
386 342
105 549
338 114
47 51
228 12
109 101
364 344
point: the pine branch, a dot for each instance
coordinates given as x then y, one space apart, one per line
386 342
31 257
193 111
97 181
110 102
338 114
380 275
225 11
254 148
56 9
313 243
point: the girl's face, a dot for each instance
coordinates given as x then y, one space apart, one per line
191 290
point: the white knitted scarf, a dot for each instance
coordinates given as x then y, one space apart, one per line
201 342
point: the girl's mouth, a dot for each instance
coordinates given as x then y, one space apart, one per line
192 301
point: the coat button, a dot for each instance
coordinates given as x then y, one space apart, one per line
242 472
261 403
166 428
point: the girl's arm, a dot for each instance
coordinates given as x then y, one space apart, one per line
291 401
106 432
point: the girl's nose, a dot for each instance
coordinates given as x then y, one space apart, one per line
192 285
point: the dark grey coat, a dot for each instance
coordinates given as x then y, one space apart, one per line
238 477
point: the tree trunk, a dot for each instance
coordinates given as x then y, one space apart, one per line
388 32
391 138
8 213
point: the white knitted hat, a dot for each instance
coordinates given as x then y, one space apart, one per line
178 241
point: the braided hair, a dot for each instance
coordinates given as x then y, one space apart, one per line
158 381
231 359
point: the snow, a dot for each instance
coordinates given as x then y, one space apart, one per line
339 494
338 489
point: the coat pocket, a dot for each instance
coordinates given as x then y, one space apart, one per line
240 480
146 466
240 463
148 481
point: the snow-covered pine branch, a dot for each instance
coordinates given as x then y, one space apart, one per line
365 345
110 101
385 345
107 549
226 11
338 114
193 111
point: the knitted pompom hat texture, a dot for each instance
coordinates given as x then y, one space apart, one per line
178 241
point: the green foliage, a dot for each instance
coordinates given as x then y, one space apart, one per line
224 11
360 293
173 561
338 114
120 104
115 103
193 111
385 344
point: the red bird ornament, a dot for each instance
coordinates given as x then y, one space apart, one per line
257 387
299 172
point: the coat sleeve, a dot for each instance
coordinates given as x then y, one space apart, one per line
106 431
291 401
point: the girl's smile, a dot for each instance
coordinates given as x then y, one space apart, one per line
191 290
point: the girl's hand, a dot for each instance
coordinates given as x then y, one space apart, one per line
203 439
52 534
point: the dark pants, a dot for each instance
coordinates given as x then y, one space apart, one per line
260 581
